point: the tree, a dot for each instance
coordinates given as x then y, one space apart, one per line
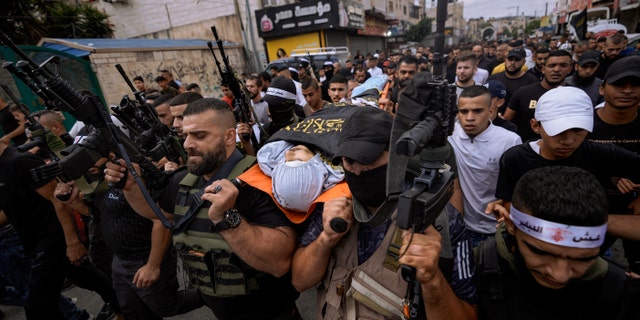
419 31
27 21
505 32
531 26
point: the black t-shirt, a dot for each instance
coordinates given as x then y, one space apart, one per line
512 85
602 160
125 232
8 123
275 294
626 136
523 102
32 215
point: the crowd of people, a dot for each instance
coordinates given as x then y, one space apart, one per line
543 165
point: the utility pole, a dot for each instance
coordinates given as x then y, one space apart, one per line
546 7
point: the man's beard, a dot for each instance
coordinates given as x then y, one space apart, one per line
514 72
209 164
582 81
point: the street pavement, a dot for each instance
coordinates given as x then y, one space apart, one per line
91 302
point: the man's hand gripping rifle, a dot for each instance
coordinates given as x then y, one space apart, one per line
423 121
241 108
58 95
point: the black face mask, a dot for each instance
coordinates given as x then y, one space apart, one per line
369 187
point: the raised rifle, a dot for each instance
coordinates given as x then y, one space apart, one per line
154 138
241 108
59 95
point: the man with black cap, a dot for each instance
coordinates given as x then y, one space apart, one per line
165 88
355 282
328 73
514 76
498 93
303 73
281 97
515 47
617 122
585 76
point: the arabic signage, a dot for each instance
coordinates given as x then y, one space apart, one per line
351 14
374 26
297 18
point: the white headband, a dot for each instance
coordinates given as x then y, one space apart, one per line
558 234
281 93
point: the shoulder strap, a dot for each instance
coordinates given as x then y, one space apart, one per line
242 166
490 267
228 167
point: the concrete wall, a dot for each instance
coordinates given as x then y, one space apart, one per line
187 66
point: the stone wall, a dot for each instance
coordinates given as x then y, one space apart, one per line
187 66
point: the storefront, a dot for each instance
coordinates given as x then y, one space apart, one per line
310 24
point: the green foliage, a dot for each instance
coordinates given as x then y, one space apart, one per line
531 26
27 21
506 32
419 31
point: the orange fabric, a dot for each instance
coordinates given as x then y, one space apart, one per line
257 179
385 92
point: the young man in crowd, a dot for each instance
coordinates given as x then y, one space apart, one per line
546 254
478 145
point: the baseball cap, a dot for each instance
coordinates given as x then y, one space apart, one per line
280 90
386 64
564 108
625 67
365 134
518 53
496 88
303 64
589 56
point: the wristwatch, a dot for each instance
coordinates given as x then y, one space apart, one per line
231 220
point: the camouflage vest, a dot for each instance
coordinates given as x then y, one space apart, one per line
208 260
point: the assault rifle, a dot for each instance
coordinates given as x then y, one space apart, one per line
59 95
423 121
154 138
241 108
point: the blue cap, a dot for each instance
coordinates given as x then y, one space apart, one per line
496 88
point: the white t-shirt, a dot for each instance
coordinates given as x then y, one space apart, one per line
478 162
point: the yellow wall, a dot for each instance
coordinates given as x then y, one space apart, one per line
301 41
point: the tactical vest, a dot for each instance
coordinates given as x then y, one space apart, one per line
374 289
208 260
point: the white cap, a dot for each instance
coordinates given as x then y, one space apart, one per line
564 108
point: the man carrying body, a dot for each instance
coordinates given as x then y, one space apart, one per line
478 145
330 257
237 248
546 254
